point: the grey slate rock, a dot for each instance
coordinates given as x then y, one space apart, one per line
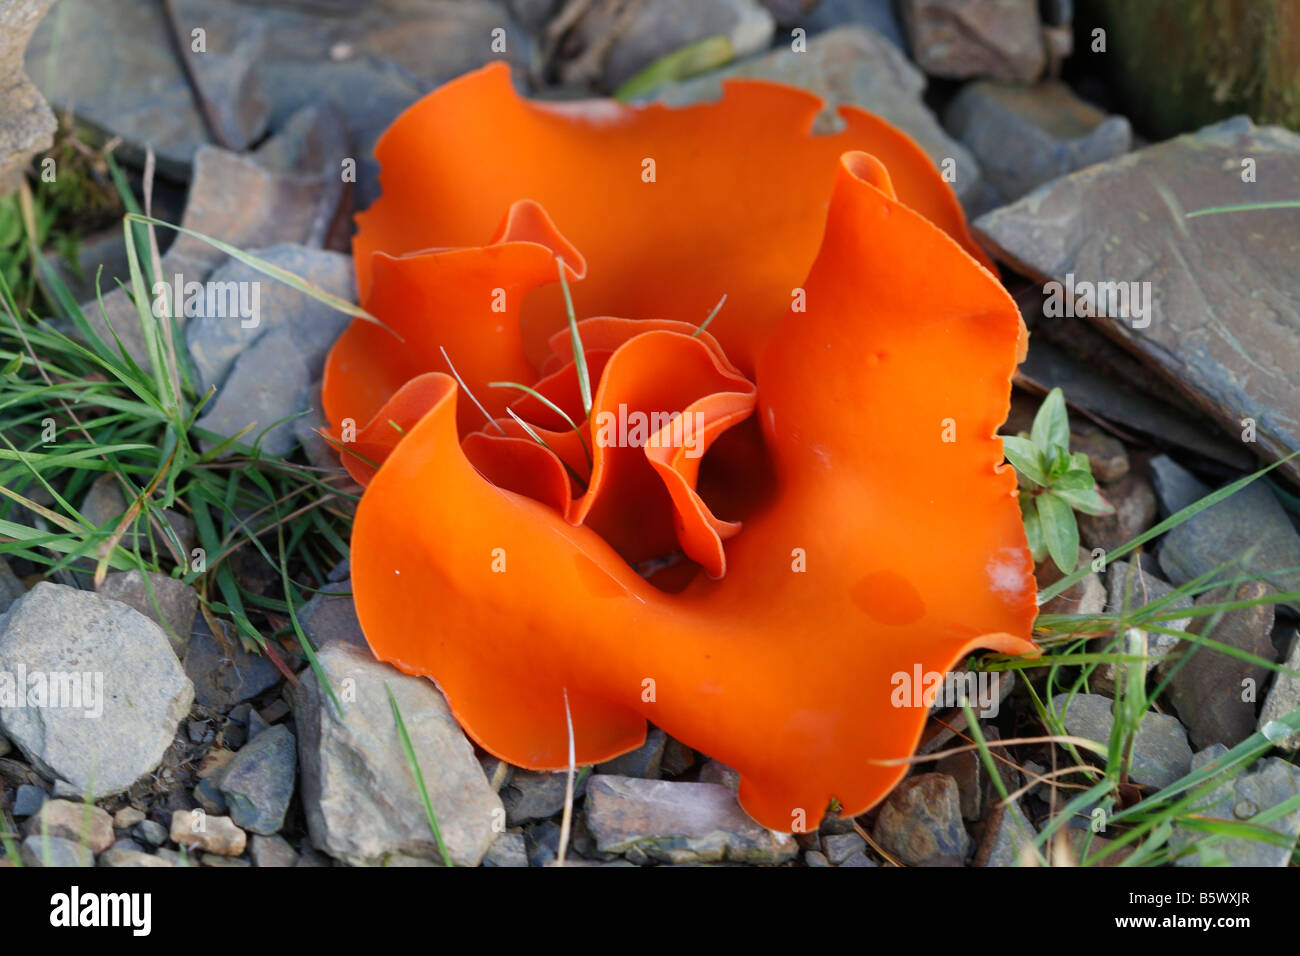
225 675
1266 784
921 821
258 781
144 694
508 849
1215 693
1161 754
358 791
678 823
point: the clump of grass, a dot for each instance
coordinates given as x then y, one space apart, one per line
75 409
1074 646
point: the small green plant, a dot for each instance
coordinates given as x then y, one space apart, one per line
1054 484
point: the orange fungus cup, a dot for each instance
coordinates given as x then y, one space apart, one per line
748 535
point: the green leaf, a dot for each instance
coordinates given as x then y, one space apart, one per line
1087 500
1025 457
1074 480
1051 425
1033 528
1059 531
1060 463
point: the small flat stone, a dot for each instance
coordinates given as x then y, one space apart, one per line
54 851
82 823
678 822
838 847
272 851
642 762
1024 136
534 795
714 771
858 858
258 782
1134 501
151 832
132 858
815 858
358 792
1161 754
1213 693
1007 839
508 849
332 616
998 39
921 820
199 830
28 800
127 817
1266 784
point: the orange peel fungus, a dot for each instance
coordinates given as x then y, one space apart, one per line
747 533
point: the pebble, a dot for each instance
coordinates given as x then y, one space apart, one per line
121 857
28 800
920 820
258 782
645 761
1024 136
54 851
508 849
226 675
215 834
1266 784
1007 839
127 817
535 795
151 832
674 822
81 822
958 39
839 847
274 850
1213 693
